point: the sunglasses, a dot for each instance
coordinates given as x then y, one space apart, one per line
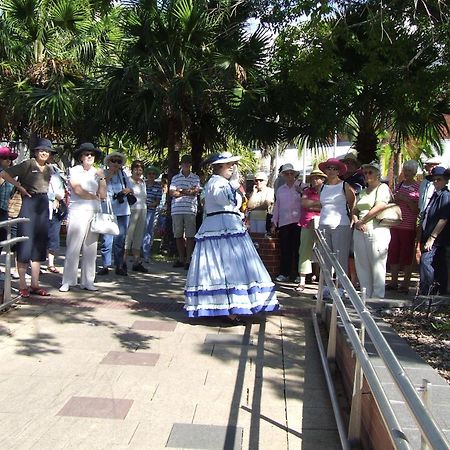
88 154
368 172
258 180
439 179
7 157
115 161
331 168
289 173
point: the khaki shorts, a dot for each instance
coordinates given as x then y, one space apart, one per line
184 225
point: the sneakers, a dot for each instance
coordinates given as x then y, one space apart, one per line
282 278
64 288
139 268
103 271
178 264
89 287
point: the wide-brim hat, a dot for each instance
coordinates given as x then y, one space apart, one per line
317 173
333 162
436 160
261 176
115 155
6 152
438 171
289 166
45 144
351 157
222 158
87 147
374 164
152 169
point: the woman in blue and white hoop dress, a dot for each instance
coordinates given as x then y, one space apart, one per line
226 276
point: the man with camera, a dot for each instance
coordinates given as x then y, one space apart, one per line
184 189
121 196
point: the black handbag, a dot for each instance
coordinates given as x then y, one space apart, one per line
62 211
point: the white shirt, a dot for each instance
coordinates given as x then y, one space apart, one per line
334 206
140 192
88 180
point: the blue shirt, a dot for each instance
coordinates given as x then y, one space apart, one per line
438 208
115 185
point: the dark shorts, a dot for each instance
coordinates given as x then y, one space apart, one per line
35 248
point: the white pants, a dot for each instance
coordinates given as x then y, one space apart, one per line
80 238
371 250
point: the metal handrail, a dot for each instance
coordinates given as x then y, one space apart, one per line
428 426
6 301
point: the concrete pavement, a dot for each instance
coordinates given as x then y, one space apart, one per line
123 368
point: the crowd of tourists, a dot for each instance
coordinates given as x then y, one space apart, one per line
347 201
342 198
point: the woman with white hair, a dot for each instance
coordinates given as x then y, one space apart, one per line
403 236
260 203
370 240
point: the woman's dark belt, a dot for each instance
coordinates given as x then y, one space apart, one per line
222 212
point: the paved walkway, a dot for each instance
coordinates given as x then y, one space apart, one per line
124 369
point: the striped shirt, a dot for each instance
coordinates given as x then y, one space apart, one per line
409 217
154 194
185 204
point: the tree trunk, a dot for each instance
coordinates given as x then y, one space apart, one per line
197 148
366 144
173 147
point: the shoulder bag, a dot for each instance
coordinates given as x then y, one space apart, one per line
391 215
105 223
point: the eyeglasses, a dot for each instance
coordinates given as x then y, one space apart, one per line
331 168
258 180
368 172
115 161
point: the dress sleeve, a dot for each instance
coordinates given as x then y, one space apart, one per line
223 194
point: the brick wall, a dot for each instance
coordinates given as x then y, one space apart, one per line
268 249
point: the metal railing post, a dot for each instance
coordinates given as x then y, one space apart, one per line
354 426
425 390
319 304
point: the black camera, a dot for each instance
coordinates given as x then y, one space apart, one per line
119 196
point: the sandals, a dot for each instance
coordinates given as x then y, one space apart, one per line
39 291
24 293
52 269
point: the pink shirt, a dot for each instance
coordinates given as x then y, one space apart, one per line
287 205
409 216
307 215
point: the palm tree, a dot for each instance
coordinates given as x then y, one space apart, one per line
182 64
47 49
364 70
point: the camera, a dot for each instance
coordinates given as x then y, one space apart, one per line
119 196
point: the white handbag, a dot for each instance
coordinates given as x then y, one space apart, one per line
105 223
